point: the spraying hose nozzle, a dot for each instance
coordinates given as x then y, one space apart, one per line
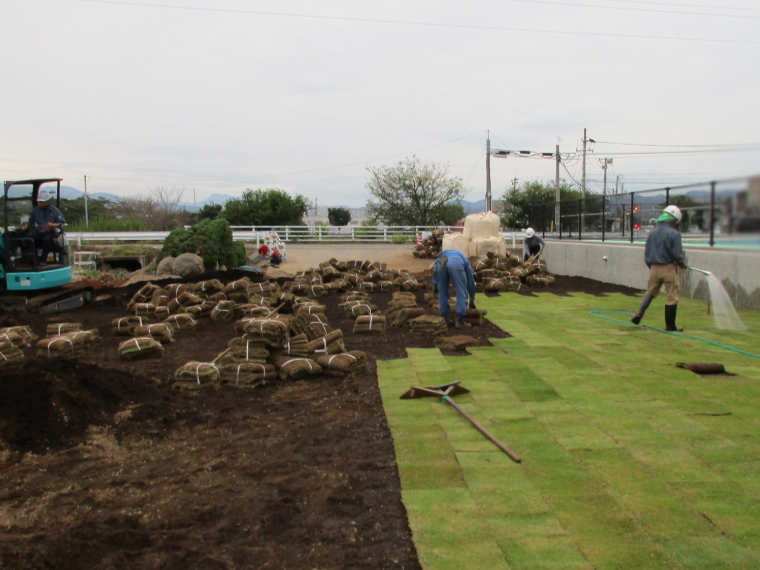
700 270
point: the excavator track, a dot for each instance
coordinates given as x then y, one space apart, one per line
62 299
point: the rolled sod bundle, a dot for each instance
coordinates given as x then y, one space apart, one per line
459 342
24 331
242 349
299 288
125 326
299 325
387 286
162 312
187 299
475 317
308 308
176 289
144 309
428 324
354 362
161 297
318 323
252 311
369 324
287 300
181 322
317 290
246 374
368 286
261 300
495 285
218 297
331 343
140 348
354 278
486 275
500 263
411 284
373 275
297 345
482 263
202 311
88 338
197 376
339 285
274 332
224 311
405 315
354 296
290 368
162 332
11 339
263 289
209 287
11 356
57 329
239 286
354 310
238 296
241 323
144 295
60 347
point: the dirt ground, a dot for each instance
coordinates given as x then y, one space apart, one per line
107 468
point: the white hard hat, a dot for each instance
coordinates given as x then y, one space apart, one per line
674 211
44 196
530 232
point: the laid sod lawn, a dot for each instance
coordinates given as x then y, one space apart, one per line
628 461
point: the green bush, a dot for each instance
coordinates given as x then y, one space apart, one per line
210 239
400 239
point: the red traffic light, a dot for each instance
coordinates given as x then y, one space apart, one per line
635 208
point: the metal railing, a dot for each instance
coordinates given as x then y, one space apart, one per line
714 214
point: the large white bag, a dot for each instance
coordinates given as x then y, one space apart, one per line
458 242
483 225
482 246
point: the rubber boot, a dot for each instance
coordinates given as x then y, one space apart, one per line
642 309
447 318
670 318
460 322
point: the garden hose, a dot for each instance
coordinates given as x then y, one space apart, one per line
599 314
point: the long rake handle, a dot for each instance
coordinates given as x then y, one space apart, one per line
484 431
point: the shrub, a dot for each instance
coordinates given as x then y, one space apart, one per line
399 239
210 239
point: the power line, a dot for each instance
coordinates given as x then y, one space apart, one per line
628 8
672 152
415 23
682 5
737 145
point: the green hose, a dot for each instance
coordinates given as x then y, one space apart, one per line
599 314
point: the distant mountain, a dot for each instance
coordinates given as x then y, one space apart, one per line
72 194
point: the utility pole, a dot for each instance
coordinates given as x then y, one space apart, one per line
514 183
605 163
86 213
488 171
583 175
557 197
617 183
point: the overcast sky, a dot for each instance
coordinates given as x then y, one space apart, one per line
221 95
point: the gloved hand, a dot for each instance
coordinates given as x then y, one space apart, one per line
472 303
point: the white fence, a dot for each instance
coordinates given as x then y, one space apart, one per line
294 234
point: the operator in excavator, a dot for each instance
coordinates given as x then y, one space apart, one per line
46 223
453 265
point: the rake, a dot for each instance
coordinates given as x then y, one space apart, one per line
445 391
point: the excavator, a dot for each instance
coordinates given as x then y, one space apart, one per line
27 282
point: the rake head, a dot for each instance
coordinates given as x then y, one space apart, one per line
450 389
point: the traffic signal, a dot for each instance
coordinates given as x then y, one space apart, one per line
635 208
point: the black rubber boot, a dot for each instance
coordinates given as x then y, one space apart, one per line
670 318
447 318
460 322
642 309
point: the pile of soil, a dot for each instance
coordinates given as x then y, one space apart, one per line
107 468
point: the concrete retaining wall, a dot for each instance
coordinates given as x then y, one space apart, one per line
739 271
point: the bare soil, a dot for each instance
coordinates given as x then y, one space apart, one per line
107 468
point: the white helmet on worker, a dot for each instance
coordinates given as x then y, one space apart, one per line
530 232
674 211
44 196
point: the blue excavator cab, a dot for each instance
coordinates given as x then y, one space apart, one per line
21 267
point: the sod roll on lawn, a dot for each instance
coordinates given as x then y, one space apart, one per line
629 462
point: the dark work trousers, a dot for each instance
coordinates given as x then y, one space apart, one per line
455 271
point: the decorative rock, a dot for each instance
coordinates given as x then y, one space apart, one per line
188 264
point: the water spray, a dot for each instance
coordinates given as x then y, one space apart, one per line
725 315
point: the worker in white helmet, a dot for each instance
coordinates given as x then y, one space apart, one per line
46 221
533 245
663 254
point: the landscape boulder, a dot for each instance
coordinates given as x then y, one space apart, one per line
188 264
166 266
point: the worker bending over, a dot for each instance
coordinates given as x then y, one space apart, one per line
453 265
533 245
662 254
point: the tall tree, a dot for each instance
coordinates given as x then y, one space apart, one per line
270 207
338 216
520 203
412 193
